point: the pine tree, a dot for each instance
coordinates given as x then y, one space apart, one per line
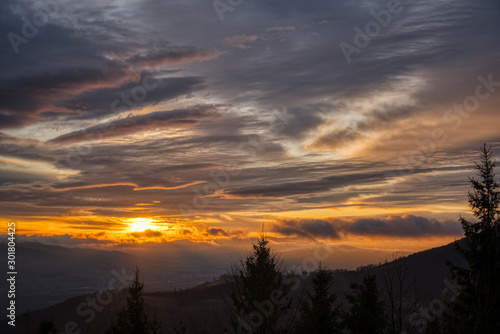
259 299
477 308
133 319
137 318
318 315
366 314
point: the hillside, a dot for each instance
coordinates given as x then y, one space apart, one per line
202 306
50 274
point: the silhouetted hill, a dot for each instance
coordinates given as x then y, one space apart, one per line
202 306
50 274
428 268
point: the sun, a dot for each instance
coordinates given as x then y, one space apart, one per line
141 224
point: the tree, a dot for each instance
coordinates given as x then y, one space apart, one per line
401 294
259 300
47 326
133 319
477 308
366 313
318 314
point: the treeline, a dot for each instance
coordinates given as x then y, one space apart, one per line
264 297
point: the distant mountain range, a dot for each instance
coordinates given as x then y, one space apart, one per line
50 273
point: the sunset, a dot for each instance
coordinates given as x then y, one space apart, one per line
177 134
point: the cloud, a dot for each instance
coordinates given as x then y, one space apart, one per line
241 41
283 189
149 234
303 119
147 90
404 226
283 28
378 119
172 55
347 143
158 119
80 67
24 148
217 231
308 228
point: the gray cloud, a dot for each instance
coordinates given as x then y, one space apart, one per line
424 61
406 226
309 228
106 101
158 119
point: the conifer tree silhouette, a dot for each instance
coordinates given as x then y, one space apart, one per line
133 319
259 299
318 314
366 314
477 307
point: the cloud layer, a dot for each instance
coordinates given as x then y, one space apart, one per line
119 109
406 226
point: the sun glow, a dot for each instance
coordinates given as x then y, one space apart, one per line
141 224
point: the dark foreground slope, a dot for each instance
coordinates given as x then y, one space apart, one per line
202 307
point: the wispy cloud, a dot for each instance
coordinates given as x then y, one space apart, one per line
161 103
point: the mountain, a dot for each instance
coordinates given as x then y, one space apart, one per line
202 307
50 274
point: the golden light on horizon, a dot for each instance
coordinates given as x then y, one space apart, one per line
141 224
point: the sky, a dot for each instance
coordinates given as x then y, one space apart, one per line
146 122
